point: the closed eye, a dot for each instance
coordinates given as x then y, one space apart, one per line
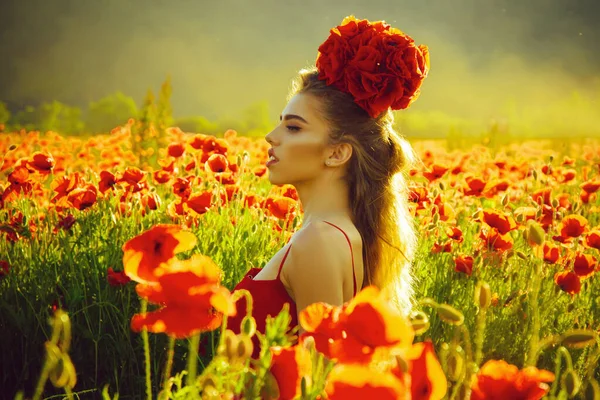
293 128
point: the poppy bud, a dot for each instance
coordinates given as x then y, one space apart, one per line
520 218
521 255
63 374
575 206
420 322
505 200
555 203
303 387
551 158
12 147
270 390
535 233
455 366
578 338
231 344
436 217
442 186
245 347
571 383
402 364
592 391
450 314
535 174
248 325
483 295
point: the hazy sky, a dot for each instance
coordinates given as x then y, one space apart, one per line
224 55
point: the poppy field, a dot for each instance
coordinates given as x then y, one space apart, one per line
108 246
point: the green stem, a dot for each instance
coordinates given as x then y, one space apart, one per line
192 359
535 316
479 335
144 307
169 363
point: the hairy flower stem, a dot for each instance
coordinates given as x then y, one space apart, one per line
168 364
479 335
534 311
146 341
193 359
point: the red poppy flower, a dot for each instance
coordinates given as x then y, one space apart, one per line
151 200
572 226
568 281
226 178
66 222
216 163
116 278
499 380
592 239
542 196
427 379
441 247
590 186
283 208
437 171
492 239
200 202
288 366
82 197
476 186
197 141
551 253
355 381
259 170
190 296
132 175
107 181
176 150
584 264
463 264
496 219
148 251
454 233
42 162
568 175
182 188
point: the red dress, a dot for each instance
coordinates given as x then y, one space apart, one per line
269 296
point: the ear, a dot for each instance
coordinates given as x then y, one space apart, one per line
339 155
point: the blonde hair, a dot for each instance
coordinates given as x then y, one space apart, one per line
377 186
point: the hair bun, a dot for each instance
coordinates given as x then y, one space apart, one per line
378 65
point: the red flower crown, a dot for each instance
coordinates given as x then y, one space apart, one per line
378 65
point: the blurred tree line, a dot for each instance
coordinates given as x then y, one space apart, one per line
116 109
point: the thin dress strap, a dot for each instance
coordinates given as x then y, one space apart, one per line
351 253
283 261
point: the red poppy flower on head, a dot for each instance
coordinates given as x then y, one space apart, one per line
499 380
116 278
357 381
568 281
148 251
463 264
191 298
176 150
288 366
42 162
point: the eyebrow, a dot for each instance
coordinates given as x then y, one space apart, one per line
293 116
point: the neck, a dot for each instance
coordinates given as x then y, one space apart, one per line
323 199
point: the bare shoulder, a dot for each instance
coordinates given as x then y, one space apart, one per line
316 265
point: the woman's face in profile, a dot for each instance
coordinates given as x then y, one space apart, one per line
298 143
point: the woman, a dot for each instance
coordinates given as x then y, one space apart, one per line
336 145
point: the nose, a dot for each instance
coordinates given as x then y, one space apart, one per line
270 137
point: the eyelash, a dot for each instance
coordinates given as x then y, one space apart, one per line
293 128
